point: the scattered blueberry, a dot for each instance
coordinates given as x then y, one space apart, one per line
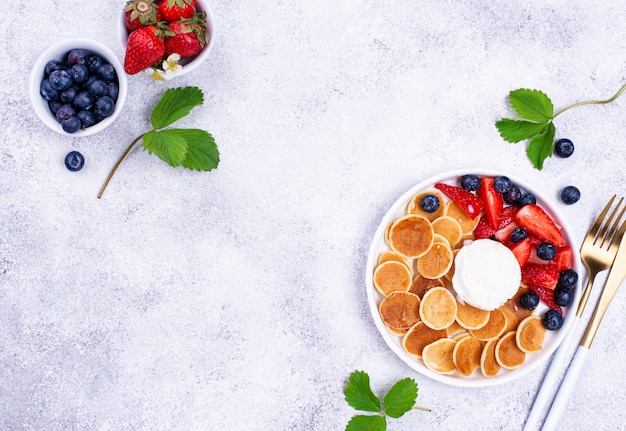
518 234
552 320
430 203
546 251
71 124
470 182
502 184
513 195
564 148
74 161
568 278
77 56
563 296
529 300
60 80
570 195
526 199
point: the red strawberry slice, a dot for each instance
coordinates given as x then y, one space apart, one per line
534 259
492 199
521 250
538 223
483 229
507 216
547 296
504 233
541 275
563 259
469 203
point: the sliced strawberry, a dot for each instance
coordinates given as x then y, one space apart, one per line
504 233
541 275
469 203
521 250
538 223
492 199
483 229
547 296
507 216
563 259
534 259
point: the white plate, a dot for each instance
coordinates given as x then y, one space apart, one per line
533 360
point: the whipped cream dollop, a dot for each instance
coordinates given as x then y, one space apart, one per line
486 274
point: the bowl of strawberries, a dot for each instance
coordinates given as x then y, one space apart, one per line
165 38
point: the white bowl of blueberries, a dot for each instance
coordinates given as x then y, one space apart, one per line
78 87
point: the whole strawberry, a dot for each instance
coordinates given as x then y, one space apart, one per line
144 48
188 38
175 10
140 13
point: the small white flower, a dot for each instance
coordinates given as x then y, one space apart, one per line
154 73
170 68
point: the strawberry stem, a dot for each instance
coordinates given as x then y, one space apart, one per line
592 102
120 160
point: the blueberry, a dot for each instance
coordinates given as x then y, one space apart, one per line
552 320
570 195
86 119
430 203
67 96
53 65
563 296
84 100
74 161
518 234
564 148
98 88
60 80
106 72
94 62
47 91
64 112
546 251
114 90
80 73
529 300
502 184
470 182
526 199
104 106
76 56
54 106
568 278
71 124
513 195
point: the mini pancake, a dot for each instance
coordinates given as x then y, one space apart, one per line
419 336
513 304
494 328
450 272
455 329
391 276
466 355
411 236
390 255
400 311
436 262
414 206
488 364
422 285
438 308
508 354
470 317
530 334
449 228
438 356
511 320
467 224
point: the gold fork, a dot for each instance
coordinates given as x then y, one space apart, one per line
598 253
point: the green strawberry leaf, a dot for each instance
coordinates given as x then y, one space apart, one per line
518 130
532 105
541 146
367 423
202 153
174 105
359 394
400 398
168 145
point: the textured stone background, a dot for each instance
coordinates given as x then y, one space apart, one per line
234 300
